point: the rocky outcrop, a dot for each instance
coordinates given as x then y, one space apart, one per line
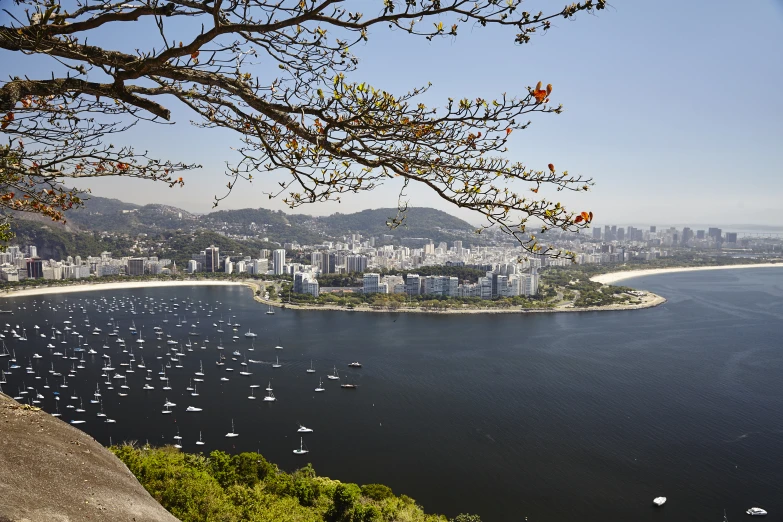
50 471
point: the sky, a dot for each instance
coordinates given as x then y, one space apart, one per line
675 109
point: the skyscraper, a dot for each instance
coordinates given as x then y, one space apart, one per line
278 261
212 259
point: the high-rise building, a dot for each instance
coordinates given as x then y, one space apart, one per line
731 237
328 263
135 266
34 269
715 233
596 233
278 261
356 263
371 283
317 259
699 234
212 259
652 228
305 283
412 284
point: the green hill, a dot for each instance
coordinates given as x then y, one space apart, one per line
233 230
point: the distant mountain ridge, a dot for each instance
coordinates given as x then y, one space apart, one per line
254 226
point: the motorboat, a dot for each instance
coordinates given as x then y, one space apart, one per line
756 512
355 364
659 501
303 429
192 408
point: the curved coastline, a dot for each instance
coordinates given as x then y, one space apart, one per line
614 277
648 301
93 286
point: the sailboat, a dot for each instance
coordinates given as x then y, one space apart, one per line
231 434
334 375
199 442
310 369
277 363
320 386
270 397
301 450
271 311
251 396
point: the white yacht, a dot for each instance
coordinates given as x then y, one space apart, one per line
303 429
270 397
192 408
756 512
250 334
659 501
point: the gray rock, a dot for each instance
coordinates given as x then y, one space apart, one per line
52 472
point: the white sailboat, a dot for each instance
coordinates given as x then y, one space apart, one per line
320 387
277 363
301 450
231 434
310 369
199 442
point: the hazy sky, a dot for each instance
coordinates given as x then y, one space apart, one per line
675 108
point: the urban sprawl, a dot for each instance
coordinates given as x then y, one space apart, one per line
509 271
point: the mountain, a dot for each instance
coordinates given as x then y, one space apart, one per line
252 227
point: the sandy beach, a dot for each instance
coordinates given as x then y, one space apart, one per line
614 277
92 286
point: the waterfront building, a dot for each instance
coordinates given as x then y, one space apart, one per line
212 259
371 283
135 266
34 268
413 284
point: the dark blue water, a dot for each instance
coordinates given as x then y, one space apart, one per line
546 416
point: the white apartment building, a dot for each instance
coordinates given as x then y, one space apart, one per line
278 261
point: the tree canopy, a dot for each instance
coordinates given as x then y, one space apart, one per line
281 74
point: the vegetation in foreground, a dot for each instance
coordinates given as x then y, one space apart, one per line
220 487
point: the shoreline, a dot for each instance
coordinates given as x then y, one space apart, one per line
125 285
613 277
649 300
